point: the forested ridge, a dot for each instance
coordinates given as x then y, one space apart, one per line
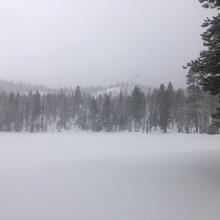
163 108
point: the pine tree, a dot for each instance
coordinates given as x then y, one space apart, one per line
171 101
180 113
18 123
128 113
163 108
94 114
106 113
27 113
207 67
194 96
210 3
137 107
121 112
11 112
78 96
36 111
153 109
3 107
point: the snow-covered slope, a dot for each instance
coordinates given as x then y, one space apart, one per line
115 91
109 176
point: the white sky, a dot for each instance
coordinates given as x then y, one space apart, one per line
92 42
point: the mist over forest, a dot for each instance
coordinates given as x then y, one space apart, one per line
122 107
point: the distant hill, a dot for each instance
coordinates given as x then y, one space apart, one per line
23 87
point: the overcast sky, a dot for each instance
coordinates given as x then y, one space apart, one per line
93 42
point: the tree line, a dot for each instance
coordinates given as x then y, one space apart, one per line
162 108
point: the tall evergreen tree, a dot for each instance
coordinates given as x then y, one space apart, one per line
94 114
120 111
153 109
137 107
36 111
194 96
106 113
210 3
164 110
11 112
171 105
18 123
207 67
180 111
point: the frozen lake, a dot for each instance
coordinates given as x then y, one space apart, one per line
121 176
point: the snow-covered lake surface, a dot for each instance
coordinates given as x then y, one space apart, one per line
121 176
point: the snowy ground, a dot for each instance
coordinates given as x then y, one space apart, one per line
85 176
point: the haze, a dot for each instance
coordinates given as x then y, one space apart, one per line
64 42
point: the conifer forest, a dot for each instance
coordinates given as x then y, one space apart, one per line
140 110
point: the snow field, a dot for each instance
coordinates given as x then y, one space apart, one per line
109 176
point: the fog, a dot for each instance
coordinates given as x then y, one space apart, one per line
67 42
